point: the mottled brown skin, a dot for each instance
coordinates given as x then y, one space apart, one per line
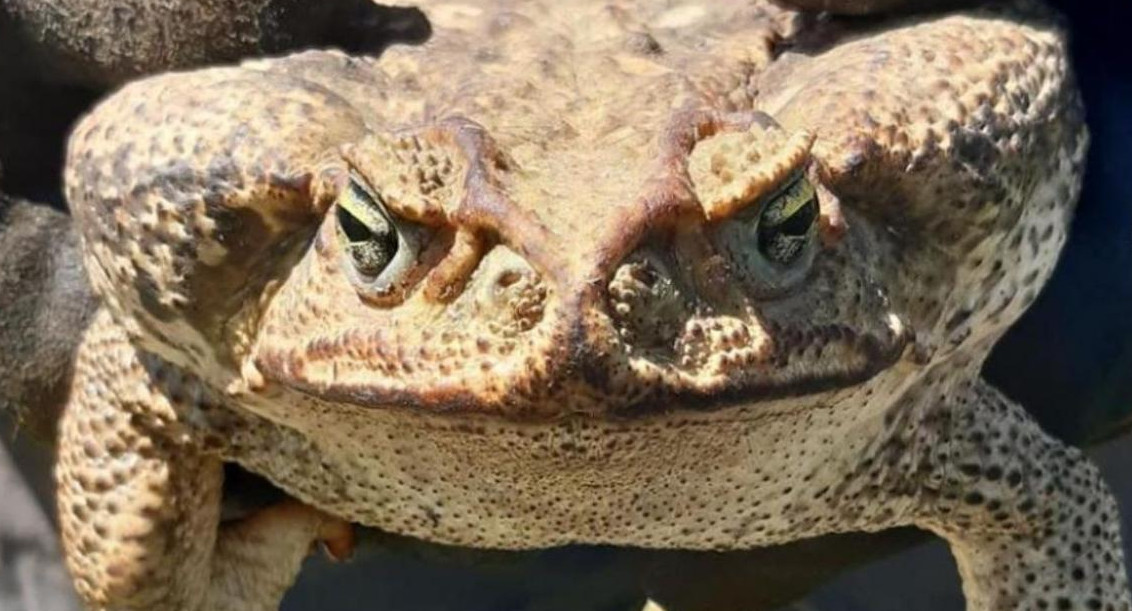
586 344
57 57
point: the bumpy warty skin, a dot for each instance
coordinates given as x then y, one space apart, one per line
583 345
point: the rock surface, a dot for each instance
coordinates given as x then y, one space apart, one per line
32 578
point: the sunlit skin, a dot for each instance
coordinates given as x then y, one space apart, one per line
650 276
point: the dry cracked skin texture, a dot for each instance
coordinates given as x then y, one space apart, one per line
671 276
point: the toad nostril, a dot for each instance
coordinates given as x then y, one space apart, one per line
518 295
646 275
508 278
507 293
647 304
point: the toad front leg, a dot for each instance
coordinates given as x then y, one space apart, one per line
1030 521
139 502
979 187
192 192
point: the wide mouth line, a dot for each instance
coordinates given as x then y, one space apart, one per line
519 396
449 401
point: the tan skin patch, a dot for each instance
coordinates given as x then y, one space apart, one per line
598 303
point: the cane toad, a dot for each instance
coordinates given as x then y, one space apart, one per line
699 276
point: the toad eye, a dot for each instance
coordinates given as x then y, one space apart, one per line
379 247
786 223
772 244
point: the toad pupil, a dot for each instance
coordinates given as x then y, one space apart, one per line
786 222
371 239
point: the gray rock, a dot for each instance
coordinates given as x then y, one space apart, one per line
32 576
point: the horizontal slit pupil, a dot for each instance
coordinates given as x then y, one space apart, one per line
371 250
798 224
784 240
353 228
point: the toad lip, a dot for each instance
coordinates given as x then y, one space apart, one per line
582 376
